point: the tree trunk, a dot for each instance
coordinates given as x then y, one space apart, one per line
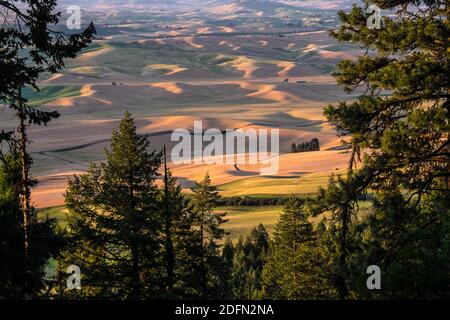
341 280
24 186
170 255
25 189
204 277
136 292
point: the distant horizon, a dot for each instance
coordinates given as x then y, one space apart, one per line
318 4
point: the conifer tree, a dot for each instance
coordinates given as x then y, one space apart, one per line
294 148
168 214
294 267
211 266
402 118
22 276
301 147
179 238
115 219
315 145
249 260
28 47
228 253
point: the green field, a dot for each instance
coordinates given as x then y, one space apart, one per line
302 185
136 59
58 213
50 93
241 219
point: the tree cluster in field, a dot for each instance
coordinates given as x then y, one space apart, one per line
313 145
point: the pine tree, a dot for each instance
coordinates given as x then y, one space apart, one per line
228 253
208 222
411 247
307 147
294 265
315 144
21 275
406 130
28 26
294 148
115 219
169 215
301 147
249 260
179 238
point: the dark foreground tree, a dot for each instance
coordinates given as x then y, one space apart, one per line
295 266
115 220
179 239
28 47
402 119
249 259
22 276
211 268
